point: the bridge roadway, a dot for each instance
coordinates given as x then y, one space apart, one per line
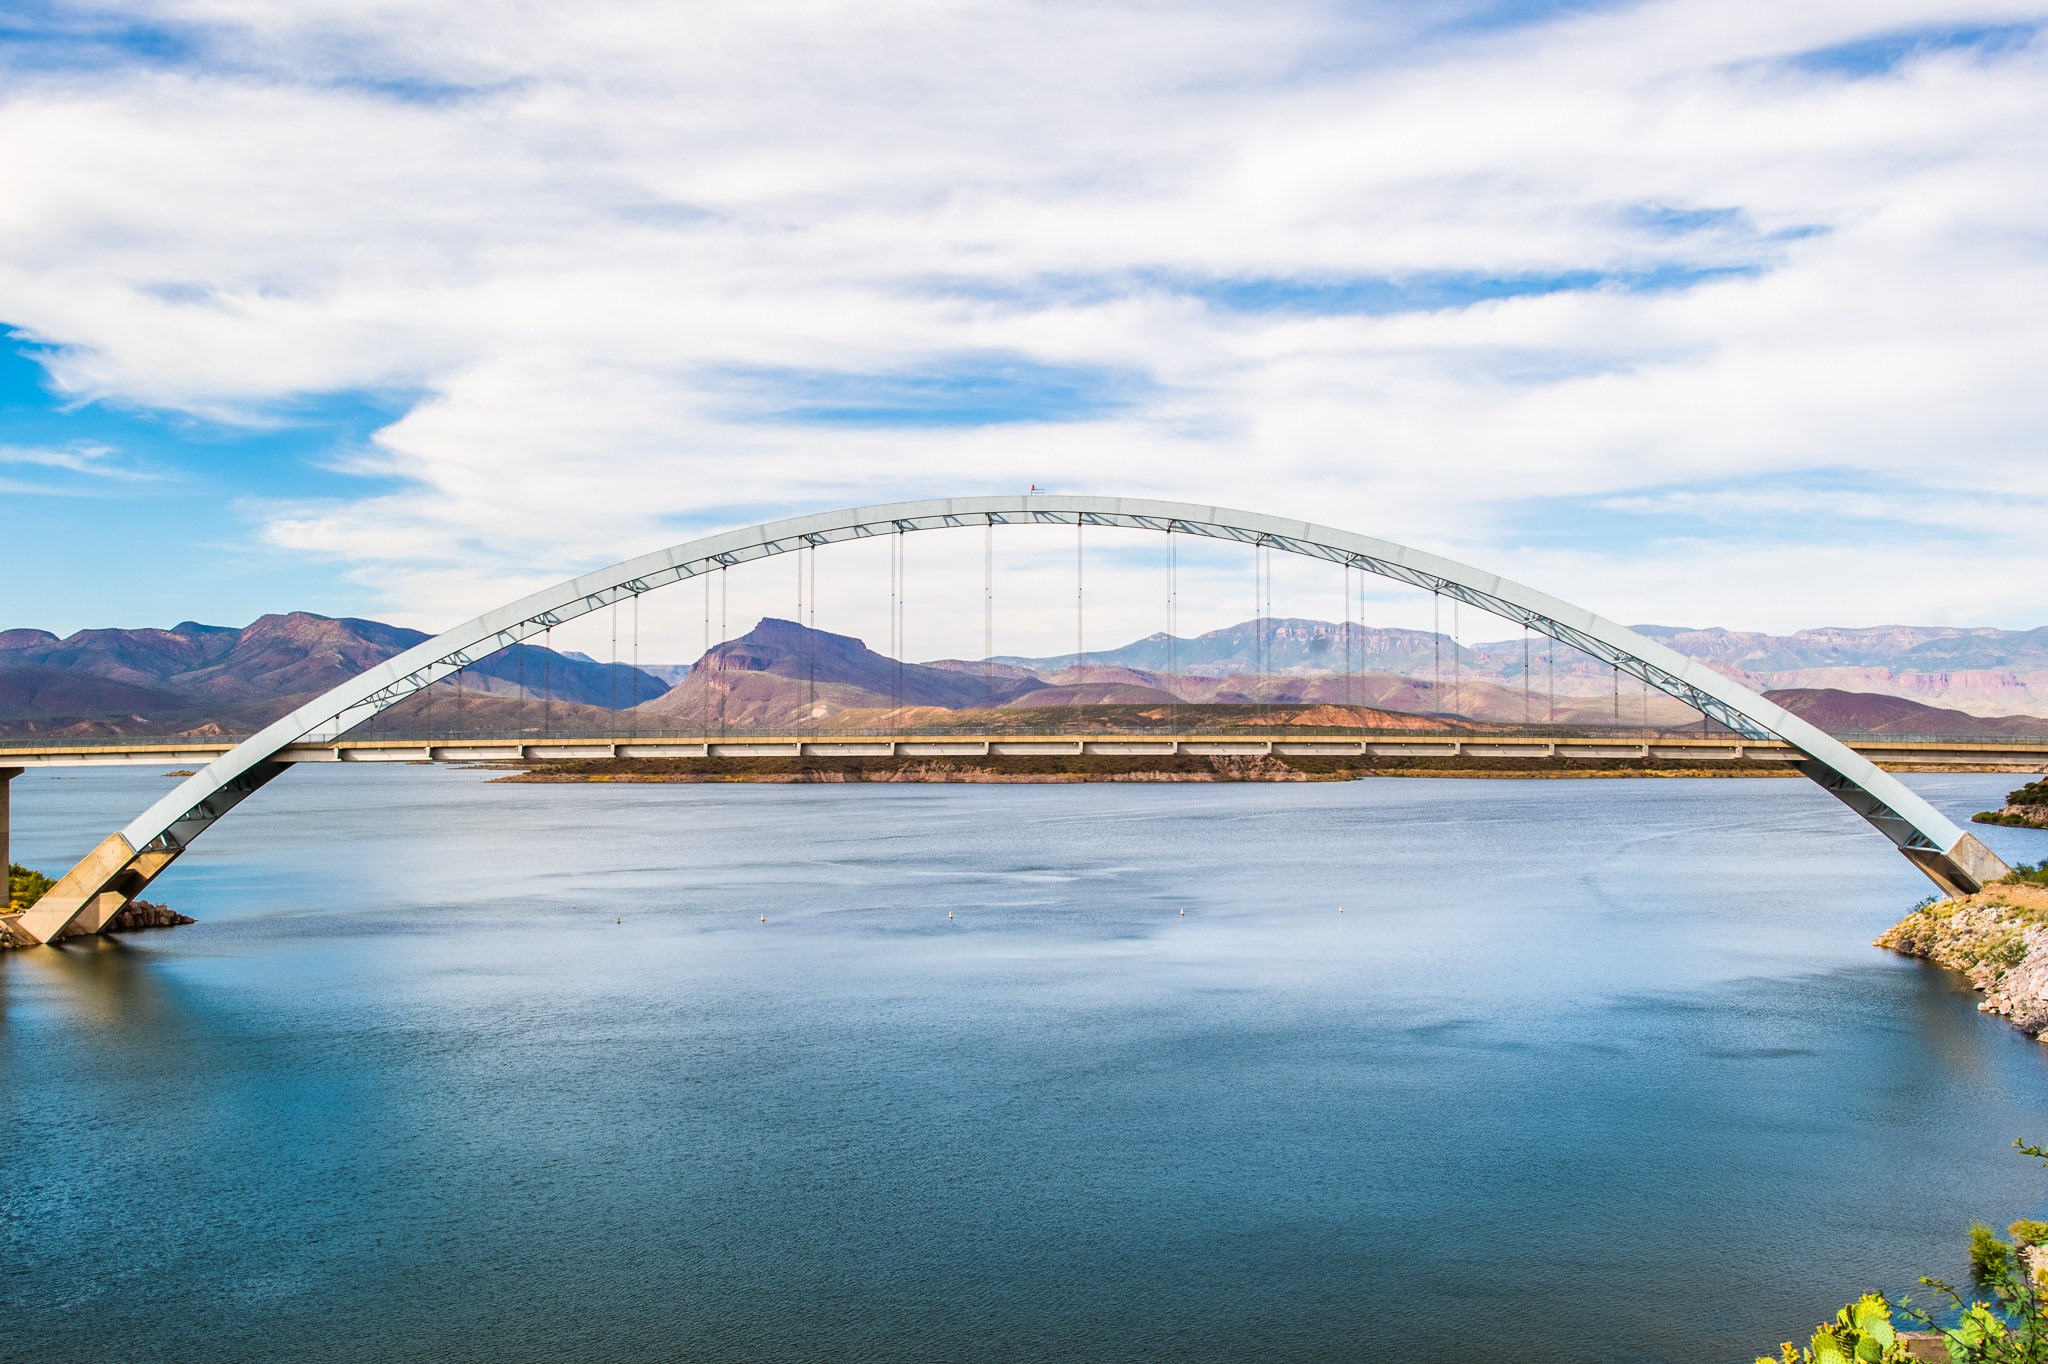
1887 752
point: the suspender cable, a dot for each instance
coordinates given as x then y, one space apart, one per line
704 666
1436 650
811 641
1549 681
612 673
799 616
519 706
898 590
547 675
633 725
1080 633
1258 625
1266 613
1349 698
724 633
1525 676
1172 631
1457 664
988 614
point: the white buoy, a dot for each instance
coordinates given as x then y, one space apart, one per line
764 918
1183 914
949 913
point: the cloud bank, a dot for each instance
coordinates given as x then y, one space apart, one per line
1716 313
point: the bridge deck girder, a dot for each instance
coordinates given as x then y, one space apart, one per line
568 748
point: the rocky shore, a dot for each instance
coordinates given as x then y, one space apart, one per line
2016 816
146 914
2026 808
1997 937
24 885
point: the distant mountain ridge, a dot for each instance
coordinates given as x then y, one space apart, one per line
111 681
781 673
215 679
1852 712
1981 671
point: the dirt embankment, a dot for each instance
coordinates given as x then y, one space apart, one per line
1998 938
1106 767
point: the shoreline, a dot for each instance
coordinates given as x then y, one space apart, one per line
1997 939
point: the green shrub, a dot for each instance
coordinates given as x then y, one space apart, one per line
2028 1232
2033 793
1989 1256
24 887
2024 875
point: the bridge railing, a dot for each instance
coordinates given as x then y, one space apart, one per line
1083 724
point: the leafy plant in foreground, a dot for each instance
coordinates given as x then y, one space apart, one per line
1860 1332
2011 1327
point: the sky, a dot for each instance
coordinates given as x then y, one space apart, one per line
1722 313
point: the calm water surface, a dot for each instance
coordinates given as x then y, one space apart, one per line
1587 1070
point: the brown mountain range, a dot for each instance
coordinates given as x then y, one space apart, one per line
192 675
781 675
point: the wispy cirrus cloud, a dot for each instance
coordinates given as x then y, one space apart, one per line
84 457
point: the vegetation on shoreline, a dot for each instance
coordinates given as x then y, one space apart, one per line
1997 937
2026 808
2004 1321
24 886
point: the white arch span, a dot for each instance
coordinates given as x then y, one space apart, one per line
91 892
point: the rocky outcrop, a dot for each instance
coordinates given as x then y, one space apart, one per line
1998 938
2026 808
146 914
136 914
2015 816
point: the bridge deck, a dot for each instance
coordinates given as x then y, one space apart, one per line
197 753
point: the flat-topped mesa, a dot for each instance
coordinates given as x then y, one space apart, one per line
1997 937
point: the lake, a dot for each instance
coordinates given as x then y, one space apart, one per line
1600 1070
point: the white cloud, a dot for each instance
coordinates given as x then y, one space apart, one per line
570 228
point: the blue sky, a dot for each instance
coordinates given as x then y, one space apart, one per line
399 312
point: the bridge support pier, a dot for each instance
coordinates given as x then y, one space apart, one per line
91 893
7 776
1964 869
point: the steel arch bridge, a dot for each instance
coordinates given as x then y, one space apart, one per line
94 890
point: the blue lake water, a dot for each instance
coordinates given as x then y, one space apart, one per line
1586 1070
